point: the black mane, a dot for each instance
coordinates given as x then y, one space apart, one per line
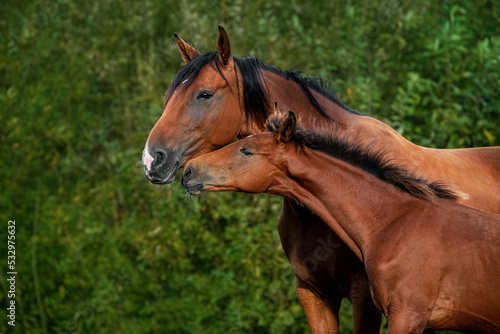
256 95
373 162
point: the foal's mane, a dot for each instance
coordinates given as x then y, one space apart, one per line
373 162
256 93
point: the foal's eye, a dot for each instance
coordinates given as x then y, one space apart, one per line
204 96
246 152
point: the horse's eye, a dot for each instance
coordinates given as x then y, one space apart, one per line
246 152
204 96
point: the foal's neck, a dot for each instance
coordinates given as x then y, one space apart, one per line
354 203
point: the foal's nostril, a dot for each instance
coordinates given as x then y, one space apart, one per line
160 157
187 173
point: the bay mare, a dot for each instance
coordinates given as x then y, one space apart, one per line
216 98
431 262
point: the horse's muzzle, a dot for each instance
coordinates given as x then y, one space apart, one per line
161 166
193 187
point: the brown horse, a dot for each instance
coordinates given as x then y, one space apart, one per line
216 98
432 263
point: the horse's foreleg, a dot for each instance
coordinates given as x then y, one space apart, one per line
322 315
366 317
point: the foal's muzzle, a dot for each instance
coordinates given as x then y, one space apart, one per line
160 166
189 182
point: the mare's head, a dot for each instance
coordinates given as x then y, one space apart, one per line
204 110
248 165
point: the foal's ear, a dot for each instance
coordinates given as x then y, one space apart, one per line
188 52
287 128
224 49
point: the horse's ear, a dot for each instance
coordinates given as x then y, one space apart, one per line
188 52
287 128
224 49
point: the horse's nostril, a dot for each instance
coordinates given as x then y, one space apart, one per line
160 157
187 173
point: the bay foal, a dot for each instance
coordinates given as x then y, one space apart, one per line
431 262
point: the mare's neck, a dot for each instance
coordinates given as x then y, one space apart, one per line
355 204
361 129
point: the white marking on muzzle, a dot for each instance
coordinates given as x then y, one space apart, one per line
147 159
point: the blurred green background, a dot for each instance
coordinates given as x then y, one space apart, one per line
101 250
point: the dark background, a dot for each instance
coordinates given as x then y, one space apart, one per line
101 250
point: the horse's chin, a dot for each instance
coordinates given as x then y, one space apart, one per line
209 187
194 190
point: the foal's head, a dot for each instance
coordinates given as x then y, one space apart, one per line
248 165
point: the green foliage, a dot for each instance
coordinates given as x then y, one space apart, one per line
99 249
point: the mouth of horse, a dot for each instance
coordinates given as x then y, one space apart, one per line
194 190
165 180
